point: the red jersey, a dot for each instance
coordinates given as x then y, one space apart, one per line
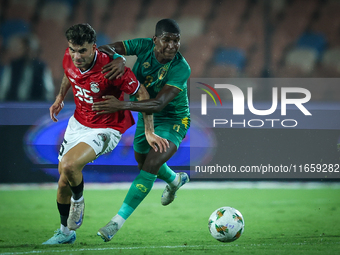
89 87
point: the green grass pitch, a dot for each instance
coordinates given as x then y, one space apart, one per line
277 221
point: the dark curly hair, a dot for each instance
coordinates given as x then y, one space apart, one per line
81 33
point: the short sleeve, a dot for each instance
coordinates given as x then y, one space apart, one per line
137 46
178 75
128 82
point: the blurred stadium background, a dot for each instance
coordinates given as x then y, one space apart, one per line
219 39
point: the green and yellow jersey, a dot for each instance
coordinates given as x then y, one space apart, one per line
154 75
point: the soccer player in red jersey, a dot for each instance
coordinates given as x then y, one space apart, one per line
89 135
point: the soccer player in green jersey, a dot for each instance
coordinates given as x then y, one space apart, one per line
164 72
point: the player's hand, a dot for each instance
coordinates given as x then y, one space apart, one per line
110 105
115 69
55 109
157 142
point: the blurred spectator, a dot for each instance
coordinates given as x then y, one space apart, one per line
265 30
26 77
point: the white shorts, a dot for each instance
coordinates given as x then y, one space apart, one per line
102 140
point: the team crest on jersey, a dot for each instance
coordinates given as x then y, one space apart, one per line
162 72
94 87
146 64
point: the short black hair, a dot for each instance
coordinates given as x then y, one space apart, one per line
81 33
167 25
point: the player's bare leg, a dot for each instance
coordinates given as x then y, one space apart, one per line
70 167
70 200
64 191
63 235
64 202
154 160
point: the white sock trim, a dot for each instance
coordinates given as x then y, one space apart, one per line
78 200
175 181
64 229
119 219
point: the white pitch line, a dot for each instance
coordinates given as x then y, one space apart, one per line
154 247
190 185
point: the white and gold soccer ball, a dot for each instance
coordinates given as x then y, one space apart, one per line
226 224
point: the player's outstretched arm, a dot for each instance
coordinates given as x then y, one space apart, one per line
59 101
155 141
112 48
114 69
112 104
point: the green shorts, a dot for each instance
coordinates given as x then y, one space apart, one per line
174 131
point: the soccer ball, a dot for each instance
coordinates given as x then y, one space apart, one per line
226 224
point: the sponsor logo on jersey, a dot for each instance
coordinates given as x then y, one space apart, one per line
146 65
132 81
94 87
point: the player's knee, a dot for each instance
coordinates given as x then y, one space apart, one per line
152 165
140 166
67 167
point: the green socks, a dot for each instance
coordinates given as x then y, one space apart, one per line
139 189
166 174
